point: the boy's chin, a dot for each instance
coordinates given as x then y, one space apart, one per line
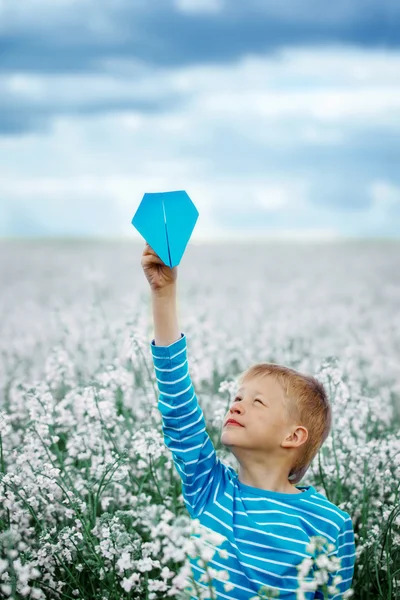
226 442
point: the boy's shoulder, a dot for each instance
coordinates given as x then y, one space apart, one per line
319 502
322 501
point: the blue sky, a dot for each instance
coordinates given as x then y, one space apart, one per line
280 119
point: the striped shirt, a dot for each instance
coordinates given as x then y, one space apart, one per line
265 532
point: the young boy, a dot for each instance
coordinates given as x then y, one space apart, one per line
282 419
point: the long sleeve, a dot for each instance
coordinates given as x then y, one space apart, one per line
346 552
184 426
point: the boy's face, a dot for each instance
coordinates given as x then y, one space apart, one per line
259 408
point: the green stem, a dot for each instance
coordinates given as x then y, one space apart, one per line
156 482
321 474
147 368
389 578
143 482
83 560
79 515
54 465
104 476
2 465
64 594
377 575
338 483
192 579
118 451
76 582
31 510
364 503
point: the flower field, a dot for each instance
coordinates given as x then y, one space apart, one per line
90 500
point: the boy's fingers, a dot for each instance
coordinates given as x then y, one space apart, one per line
148 249
150 260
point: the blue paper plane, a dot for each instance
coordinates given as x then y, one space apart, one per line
166 221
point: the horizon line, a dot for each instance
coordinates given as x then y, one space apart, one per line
206 240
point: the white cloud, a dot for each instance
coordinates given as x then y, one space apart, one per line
329 84
80 89
321 105
384 209
294 67
199 6
52 199
317 135
384 194
325 85
218 141
62 17
278 196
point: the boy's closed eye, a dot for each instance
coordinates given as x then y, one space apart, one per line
257 399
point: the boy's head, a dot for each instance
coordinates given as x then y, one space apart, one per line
286 417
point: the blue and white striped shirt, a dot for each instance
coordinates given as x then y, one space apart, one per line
266 532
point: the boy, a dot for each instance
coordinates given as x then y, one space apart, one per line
267 521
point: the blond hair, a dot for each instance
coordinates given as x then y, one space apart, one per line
306 403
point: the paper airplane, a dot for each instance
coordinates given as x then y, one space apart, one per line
166 221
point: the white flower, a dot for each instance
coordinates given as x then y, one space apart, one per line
124 562
128 583
3 565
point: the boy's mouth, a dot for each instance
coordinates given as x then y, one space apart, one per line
233 422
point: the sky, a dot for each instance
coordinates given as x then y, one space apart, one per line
279 119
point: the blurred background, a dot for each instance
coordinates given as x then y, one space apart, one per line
280 119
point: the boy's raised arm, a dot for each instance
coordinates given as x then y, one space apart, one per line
184 427
162 280
166 330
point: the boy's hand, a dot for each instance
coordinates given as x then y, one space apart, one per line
159 275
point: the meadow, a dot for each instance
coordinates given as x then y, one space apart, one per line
90 500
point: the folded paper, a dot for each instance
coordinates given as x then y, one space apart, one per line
166 221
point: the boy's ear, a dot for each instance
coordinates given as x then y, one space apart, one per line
297 438
302 434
